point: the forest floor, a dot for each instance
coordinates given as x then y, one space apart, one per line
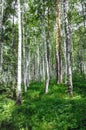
40 111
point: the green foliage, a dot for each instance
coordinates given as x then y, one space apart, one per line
79 83
6 109
38 111
53 111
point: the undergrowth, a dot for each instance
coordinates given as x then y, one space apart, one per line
40 111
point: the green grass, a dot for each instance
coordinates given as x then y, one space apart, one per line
40 111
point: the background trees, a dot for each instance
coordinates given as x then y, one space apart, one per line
39 22
42 43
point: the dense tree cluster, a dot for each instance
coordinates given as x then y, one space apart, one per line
42 64
50 42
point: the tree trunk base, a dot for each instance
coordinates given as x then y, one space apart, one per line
18 101
70 92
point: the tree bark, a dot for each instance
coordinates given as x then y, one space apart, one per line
38 62
68 49
1 33
47 56
19 53
83 13
46 59
58 45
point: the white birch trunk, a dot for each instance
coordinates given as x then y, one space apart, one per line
28 75
58 45
38 62
43 69
45 63
68 49
1 44
19 50
64 46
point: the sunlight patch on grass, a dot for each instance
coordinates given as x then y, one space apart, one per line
46 125
77 97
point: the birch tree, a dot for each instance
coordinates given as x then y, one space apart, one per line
58 44
68 49
1 32
19 53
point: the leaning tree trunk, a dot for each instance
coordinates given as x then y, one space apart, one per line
68 49
19 54
58 45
